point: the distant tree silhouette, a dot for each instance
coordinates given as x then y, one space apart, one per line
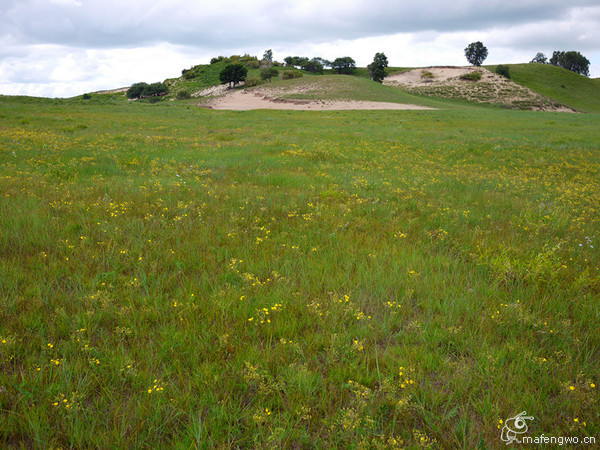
476 53
540 58
573 61
345 65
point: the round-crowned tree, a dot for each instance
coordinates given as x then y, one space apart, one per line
476 53
233 74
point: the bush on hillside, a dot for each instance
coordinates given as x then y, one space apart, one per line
86 96
143 90
183 95
427 75
136 89
253 64
471 76
254 81
503 70
267 73
289 74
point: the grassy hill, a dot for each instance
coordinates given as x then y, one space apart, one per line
566 87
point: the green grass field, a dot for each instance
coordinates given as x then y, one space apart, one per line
172 276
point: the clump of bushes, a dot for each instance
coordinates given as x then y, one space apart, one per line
254 81
503 70
253 64
144 90
426 75
183 95
471 76
267 73
86 96
289 74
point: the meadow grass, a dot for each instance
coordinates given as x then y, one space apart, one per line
177 277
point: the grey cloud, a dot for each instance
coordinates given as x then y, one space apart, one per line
103 24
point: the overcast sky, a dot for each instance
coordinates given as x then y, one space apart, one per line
62 48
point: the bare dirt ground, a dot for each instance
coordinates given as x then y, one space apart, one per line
265 97
491 88
243 100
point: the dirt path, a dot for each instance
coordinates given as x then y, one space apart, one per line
244 100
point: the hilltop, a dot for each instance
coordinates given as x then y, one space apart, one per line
530 87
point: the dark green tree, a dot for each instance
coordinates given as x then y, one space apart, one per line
312 66
476 53
233 74
345 65
377 67
136 90
571 60
142 90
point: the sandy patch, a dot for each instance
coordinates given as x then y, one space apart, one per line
440 75
491 88
244 100
112 91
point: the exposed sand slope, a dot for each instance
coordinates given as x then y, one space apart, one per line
492 88
243 100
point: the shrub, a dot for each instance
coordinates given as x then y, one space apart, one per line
471 76
254 81
289 74
503 70
86 96
141 90
136 90
427 75
253 64
267 73
183 95
218 59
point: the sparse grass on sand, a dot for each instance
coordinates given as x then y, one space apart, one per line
177 277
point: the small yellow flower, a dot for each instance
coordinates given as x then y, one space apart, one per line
592 385
572 388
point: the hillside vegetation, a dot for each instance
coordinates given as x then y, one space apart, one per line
562 85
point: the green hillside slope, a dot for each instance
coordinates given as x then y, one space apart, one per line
564 86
